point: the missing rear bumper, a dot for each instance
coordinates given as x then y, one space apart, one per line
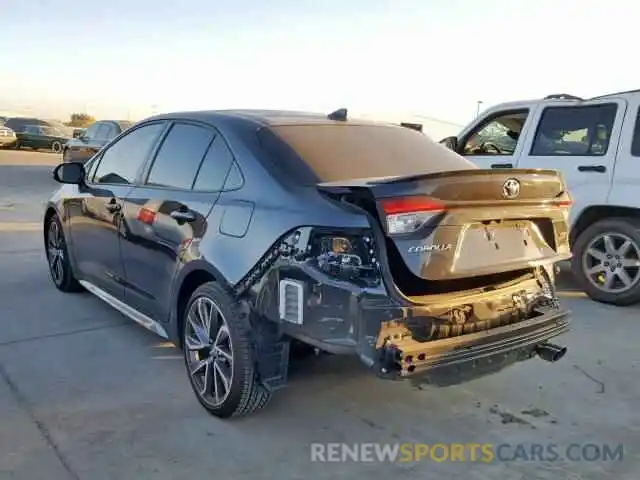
457 359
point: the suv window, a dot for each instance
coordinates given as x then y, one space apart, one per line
120 162
574 131
215 166
498 136
180 155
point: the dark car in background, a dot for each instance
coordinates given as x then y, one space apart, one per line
17 124
42 137
96 136
7 136
236 234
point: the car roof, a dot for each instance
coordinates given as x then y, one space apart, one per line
266 117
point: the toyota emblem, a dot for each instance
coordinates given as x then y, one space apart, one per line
511 188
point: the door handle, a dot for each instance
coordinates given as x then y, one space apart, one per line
502 165
113 205
592 168
183 215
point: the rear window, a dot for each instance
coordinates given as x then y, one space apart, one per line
340 152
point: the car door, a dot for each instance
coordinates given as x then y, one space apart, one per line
580 140
29 136
83 147
496 141
95 215
169 210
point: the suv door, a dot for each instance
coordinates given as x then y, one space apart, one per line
96 214
169 210
580 140
497 140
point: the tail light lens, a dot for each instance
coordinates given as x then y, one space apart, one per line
408 214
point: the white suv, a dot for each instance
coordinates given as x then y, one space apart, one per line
595 143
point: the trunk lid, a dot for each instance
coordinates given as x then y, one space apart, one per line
466 223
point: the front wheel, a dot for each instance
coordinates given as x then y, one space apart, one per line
56 147
218 354
606 261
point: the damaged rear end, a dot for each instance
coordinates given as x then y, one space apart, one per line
471 254
455 276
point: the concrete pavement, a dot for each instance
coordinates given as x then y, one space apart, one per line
87 394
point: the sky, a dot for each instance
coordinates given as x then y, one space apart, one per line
132 58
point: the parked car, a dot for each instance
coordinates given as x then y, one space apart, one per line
7 137
595 144
17 124
236 233
97 135
41 137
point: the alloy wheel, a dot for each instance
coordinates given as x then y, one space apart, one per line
209 351
55 252
611 262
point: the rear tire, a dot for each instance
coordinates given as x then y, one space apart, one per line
218 354
606 261
57 253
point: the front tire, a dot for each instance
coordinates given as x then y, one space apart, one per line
606 261
60 269
56 147
218 354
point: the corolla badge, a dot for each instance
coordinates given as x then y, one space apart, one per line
511 188
434 247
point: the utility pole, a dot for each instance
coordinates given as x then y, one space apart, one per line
479 103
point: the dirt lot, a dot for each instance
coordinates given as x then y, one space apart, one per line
87 394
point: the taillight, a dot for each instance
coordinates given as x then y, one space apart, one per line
408 214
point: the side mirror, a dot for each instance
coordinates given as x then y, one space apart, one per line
450 142
73 173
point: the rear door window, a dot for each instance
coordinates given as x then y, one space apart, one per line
178 159
574 130
215 166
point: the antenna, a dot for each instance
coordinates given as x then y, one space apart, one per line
339 115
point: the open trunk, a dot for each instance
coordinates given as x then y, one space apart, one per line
464 229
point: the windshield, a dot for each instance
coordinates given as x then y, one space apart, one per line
352 151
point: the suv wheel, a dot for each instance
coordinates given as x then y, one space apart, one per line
58 258
218 354
606 261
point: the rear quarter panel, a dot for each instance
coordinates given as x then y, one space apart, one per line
263 210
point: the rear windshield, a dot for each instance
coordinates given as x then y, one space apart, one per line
340 152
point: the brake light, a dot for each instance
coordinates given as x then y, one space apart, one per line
563 203
408 214
395 206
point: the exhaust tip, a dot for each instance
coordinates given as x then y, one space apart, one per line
551 352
